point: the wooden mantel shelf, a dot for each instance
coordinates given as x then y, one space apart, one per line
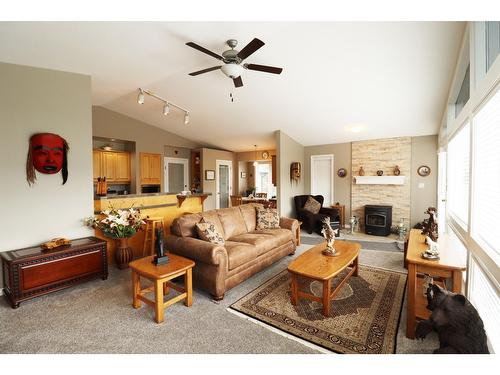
181 198
379 180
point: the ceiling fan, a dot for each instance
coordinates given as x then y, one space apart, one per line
233 59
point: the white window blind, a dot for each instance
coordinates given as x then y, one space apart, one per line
458 176
486 193
484 296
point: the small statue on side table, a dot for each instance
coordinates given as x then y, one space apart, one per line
431 225
329 235
160 257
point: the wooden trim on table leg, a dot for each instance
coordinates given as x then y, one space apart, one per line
293 289
159 306
457 281
189 287
326 297
356 266
410 311
136 290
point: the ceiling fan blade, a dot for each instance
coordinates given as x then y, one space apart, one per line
204 50
263 68
205 70
250 48
238 82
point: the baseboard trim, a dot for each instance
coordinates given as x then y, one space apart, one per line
280 332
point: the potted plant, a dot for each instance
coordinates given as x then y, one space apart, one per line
120 225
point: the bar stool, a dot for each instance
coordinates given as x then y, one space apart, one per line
152 223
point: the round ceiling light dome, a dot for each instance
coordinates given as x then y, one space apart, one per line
232 70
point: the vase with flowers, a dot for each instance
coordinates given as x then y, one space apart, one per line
119 224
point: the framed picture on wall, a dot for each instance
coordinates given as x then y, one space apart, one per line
243 174
209 174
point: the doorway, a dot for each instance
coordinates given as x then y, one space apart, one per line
223 183
322 177
176 175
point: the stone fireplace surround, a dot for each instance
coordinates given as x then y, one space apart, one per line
382 154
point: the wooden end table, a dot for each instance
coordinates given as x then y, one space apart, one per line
341 209
161 276
297 234
314 265
448 266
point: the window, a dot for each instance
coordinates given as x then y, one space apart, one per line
492 42
464 93
483 295
458 176
486 176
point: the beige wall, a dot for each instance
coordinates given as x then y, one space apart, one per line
423 152
32 101
341 159
147 138
288 151
208 162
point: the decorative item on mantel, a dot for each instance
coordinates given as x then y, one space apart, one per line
329 235
380 172
361 171
119 225
397 172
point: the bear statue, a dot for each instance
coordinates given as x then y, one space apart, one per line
457 323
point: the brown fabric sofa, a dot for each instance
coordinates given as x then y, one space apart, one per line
246 250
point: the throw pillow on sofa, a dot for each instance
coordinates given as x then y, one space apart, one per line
208 232
267 218
312 205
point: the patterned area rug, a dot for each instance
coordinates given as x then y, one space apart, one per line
364 315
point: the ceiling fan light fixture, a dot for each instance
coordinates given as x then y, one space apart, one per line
232 70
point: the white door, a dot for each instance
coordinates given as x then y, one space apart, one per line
223 183
322 177
176 175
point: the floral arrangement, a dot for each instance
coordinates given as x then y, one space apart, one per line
117 223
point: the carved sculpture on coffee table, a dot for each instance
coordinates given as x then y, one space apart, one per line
329 235
430 225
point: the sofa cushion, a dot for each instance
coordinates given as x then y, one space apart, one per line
284 235
232 221
249 213
208 232
213 217
312 205
239 253
184 226
267 218
262 242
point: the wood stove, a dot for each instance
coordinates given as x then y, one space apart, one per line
378 220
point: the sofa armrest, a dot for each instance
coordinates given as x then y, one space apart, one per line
290 224
196 249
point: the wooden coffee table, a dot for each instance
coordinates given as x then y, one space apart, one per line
314 265
161 276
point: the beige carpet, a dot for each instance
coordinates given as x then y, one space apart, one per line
364 316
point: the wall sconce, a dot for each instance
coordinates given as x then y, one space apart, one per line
295 171
166 103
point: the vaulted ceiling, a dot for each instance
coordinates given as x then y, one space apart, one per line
382 79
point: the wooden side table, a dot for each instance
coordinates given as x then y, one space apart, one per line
341 209
161 276
448 266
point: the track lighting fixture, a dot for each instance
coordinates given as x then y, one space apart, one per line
140 97
166 105
255 163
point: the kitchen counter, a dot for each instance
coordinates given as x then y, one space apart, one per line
165 205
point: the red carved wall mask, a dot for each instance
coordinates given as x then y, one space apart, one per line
47 154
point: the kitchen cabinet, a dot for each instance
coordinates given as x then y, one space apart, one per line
114 165
150 168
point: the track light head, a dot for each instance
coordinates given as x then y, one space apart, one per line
140 97
186 118
166 109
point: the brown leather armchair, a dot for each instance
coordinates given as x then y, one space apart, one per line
312 222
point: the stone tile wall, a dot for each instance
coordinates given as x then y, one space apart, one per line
383 154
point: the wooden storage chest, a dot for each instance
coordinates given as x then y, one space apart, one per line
31 272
